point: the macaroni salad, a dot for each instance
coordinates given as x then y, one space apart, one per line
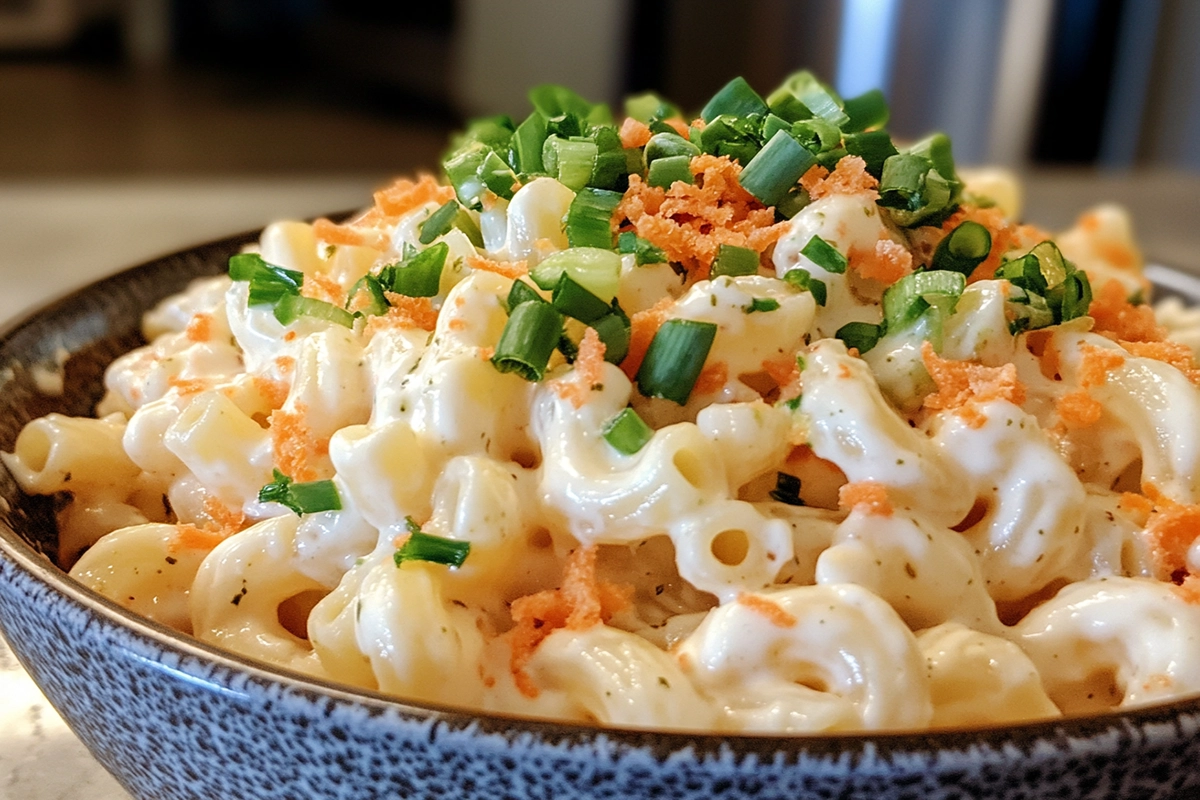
759 422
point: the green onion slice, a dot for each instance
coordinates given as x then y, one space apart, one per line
268 282
666 172
421 546
963 249
376 300
735 98
668 145
614 330
776 169
675 359
644 252
572 300
595 269
761 304
802 96
787 489
803 279
526 144
290 307
627 432
522 292
528 340
419 275
860 335
439 222
914 294
824 255
866 112
571 161
732 260
873 147
462 168
589 219
302 498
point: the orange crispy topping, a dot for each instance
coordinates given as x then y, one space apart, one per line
1177 354
404 195
870 496
589 370
189 537
887 262
1136 507
689 222
486 353
1097 363
962 383
634 133
225 520
680 127
712 378
1189 590
199 327
405 312
323 287
1078 409
293 443
509 269
187 386
273 392
285 364
1172 529
850 176
774 613
1119 319
642 327
1042 345
580 603
783 370
332 233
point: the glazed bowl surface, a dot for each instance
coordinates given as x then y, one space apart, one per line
173 718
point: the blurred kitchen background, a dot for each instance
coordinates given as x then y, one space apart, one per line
151 124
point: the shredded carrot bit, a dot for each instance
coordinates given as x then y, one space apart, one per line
405 312
1119 319
634 133
712 378
1097 362
642 327
188 386
850 176
1136 507
960 383
273 392
332 233
293 443
509 269
1042 345
190 537
404 195
486 353
887 262
870 496
690 222
680 126
285 364
290 336
774 613
1078 409
1172 529
581 602
323 287
457 324
1189 590
1176 354
589 370
199 327
225 520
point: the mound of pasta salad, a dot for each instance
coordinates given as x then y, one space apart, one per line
754 420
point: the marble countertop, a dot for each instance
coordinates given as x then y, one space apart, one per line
55 237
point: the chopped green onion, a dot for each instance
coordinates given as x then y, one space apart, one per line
522 292
963 249
268 282
675 359
736 137
556 101
627 432
439 222
735 98
644 252
914 294
824 255
589 219
593 268
803 279
1043 273
761 304
466 223
614 330
419 275
376 300
649 107
528 340
668 145
787 489
570 160
527 142
873 147
866 112
290 307
733 261
776 168
421 546
666 172
495 132
573 300
791 204
462 169
772 124
920 186
498 176
860 335
302 498
817 136
1073 296
802 96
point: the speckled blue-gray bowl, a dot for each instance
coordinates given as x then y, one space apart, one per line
172 718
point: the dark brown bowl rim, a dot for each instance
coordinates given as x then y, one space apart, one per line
662 743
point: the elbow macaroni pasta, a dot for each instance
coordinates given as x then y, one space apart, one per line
937 562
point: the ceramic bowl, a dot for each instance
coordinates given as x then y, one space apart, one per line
173 718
